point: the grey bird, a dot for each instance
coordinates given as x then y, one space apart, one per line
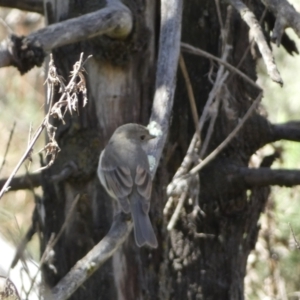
123 170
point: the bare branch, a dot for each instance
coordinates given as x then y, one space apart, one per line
27 181
7 146
286 16
265 176
52 148
178 208
190 94
85 267
193 50
213 154
295 239
288 131
250 19
29 5
169 49
23 158
115 20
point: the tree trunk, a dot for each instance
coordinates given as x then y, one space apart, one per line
205 255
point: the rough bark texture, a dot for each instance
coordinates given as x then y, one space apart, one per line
120 78
120 90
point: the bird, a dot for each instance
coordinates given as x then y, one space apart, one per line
124 172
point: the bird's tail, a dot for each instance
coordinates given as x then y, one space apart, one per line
143 230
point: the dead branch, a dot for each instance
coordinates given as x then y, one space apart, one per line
214 153
190 94
265 176
169 49
295 239
7 146
85 267
29 5
215 91
286 16
193 50
287 131
256 31
22 245
114 20
28 181
65 101
180 188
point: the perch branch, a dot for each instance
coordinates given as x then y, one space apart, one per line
169 49
29 5
250 19
265 176
193 50
85 267
288 131
286 16
114 20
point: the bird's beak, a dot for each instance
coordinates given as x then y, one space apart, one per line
151 136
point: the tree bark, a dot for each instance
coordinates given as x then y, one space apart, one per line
120 79
204 256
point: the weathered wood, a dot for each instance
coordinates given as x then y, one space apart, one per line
114 20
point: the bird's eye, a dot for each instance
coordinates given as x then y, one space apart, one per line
143 137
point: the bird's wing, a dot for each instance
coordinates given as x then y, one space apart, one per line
117 181
144 186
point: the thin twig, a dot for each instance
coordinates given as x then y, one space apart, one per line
215 90
219 16
54 109
183 187
6 26
250 19
190 94
177 210
7 146
214 111
218 84
295 239
214 153
193 50
23 158
248 47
